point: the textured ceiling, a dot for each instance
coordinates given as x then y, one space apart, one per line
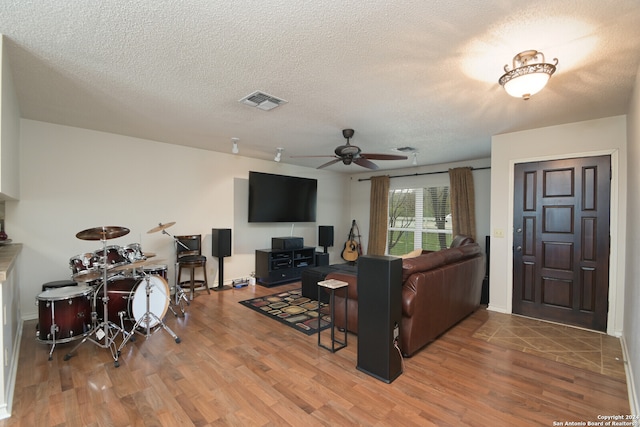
408 73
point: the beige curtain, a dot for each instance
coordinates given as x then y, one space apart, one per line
378 215
463 202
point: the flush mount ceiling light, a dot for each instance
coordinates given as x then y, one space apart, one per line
234 148
528 75
278 156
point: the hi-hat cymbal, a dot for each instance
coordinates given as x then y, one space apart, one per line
161 227
102 233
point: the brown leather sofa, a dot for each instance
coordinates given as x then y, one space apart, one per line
439 289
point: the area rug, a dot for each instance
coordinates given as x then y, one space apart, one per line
292 309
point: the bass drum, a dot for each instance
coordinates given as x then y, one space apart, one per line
128 296
64 314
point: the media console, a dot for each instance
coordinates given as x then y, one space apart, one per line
278 266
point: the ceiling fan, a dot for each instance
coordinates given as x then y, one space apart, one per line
348 154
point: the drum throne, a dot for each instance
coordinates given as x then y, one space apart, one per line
189 257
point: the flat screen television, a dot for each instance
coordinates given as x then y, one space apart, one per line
281 198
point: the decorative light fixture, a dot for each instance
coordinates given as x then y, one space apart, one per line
528 75
415 159
234 149
278 156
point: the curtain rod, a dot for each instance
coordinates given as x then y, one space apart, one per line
422 173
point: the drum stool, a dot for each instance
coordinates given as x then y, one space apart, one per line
189 256
190 263
58 284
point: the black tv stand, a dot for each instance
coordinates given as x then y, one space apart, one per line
280 266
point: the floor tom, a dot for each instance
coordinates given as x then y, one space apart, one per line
64 314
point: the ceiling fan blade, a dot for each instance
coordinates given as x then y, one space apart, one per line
329 163
373 156
361 161
305 157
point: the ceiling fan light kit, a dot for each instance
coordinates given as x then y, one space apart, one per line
529 74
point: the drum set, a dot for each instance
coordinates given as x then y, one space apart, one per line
135 296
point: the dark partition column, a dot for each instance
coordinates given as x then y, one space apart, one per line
379 315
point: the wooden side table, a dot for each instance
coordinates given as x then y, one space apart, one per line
332 285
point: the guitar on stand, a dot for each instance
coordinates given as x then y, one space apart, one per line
352 248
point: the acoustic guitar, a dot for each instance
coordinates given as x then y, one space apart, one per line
351 247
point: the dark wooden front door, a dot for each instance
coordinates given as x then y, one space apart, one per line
561 241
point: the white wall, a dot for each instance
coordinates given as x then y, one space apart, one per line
360 193
74 179
631 335
589 138
9 130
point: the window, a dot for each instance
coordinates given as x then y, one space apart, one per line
419 218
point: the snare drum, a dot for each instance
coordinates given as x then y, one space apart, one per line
156 270
83 268
114 256
129 296
133 253
64 314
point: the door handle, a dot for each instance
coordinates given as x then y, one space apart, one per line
518 230
519 248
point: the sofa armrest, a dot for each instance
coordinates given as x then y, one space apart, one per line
409 295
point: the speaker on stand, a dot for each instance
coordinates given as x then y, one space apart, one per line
221 248
325 236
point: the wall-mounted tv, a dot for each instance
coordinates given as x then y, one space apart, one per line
281 198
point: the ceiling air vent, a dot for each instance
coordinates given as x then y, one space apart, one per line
262 101
405 149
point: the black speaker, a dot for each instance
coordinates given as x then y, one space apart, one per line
379 316
221 242
484 298
325 235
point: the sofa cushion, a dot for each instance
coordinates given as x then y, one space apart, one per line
436 259
421 263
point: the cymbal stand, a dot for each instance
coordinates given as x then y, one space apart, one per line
146 319
104 330
180 298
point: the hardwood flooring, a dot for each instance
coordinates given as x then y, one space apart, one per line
236 367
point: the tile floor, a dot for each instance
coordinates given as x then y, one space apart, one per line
577 347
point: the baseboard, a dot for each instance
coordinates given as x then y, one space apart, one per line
631 387
497 310
5 410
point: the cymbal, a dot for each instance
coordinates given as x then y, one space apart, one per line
87 276
161 227
102 233
133 265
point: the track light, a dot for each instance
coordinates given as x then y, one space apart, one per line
278 156
234 149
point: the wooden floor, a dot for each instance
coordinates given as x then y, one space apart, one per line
237 367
